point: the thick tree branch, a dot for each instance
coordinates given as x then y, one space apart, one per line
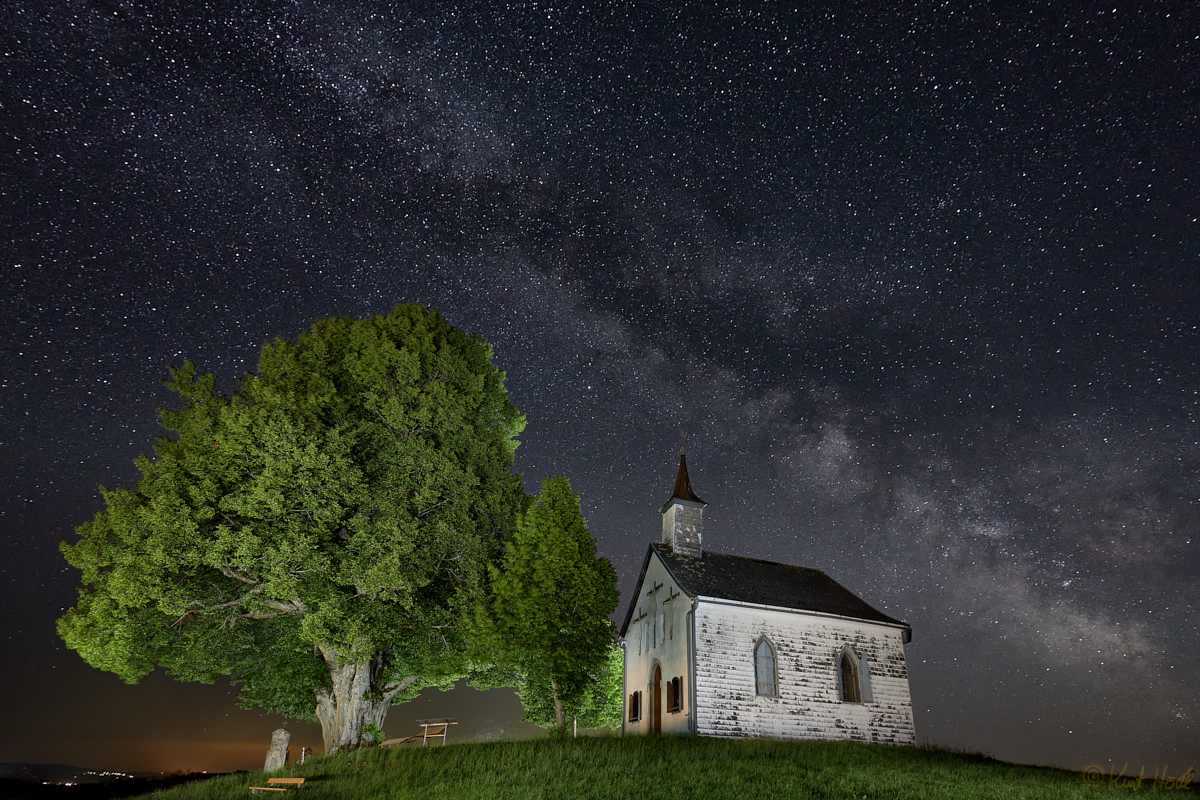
293 608
229 572
434 507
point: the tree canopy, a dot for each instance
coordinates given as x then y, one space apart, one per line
548 620
600 705
321 534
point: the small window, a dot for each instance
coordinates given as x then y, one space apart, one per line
764 669
675 694
848 678
635 706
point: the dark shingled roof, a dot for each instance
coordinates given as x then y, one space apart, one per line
750 580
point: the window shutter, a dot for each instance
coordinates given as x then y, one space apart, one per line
864 679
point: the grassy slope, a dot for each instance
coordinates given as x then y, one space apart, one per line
662 767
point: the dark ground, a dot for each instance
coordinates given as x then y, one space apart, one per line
11 789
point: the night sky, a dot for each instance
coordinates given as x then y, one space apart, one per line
920 282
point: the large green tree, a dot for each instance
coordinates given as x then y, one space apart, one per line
548 620
320 535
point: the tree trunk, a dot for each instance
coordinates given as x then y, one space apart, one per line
360 696
560 713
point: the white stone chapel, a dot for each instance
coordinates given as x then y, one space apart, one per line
723 645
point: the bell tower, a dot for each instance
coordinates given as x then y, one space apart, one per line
683 516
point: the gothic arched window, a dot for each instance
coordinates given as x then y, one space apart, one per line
765 676
848 678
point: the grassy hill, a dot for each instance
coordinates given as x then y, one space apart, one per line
662 767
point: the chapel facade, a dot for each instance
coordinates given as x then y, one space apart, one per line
723 645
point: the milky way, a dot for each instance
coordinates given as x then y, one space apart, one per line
921 285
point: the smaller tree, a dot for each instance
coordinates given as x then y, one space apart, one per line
548 618
603 702
600 706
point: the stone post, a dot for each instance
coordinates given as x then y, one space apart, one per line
277 756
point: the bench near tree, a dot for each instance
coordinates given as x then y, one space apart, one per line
278 785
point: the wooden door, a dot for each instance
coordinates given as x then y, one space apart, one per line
657 699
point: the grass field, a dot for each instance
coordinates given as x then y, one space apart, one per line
663 767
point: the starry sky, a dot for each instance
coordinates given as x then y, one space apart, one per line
919 280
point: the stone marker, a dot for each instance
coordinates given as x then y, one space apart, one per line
277 756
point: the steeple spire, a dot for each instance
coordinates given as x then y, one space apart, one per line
683 485
683 515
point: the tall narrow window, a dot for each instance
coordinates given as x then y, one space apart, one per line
675 695
848 678
764 669
635 706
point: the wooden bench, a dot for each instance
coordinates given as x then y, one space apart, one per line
292 783
430 729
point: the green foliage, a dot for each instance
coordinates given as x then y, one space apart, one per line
664 768
600 706
603 702
548 621
345 499
375 734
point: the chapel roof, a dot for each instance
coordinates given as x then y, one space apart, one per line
752 580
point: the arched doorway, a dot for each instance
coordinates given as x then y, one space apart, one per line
657 713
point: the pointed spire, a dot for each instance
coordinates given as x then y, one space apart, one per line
683 516
683 486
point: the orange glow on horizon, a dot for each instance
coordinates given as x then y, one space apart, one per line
146 755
